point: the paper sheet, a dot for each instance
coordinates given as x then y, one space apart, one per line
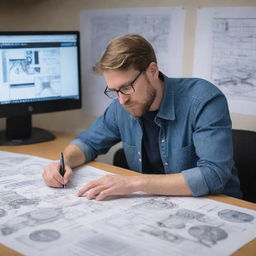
38 220
163 27
225 54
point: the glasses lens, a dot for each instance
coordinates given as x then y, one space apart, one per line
127 90
111 94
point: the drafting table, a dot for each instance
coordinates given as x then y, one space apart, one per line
51 150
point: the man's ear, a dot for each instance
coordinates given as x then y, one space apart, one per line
153 70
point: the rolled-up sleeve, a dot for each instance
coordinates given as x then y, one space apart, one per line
212 138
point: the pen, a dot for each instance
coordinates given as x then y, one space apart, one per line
62 166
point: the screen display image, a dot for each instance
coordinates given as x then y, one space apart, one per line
39 73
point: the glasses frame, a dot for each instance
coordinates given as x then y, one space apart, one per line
131 84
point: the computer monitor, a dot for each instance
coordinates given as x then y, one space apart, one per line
39 73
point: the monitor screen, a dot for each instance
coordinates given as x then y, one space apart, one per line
39 73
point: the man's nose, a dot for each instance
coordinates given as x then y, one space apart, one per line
122 98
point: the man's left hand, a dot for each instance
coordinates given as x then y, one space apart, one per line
109 185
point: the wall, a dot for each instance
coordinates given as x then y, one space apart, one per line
64 15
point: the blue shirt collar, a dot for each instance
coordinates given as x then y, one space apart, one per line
166 110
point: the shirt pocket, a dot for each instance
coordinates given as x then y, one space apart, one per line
183 158
130 154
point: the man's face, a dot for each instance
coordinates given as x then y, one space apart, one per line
140 101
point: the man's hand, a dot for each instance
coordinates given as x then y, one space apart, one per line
52 176
74 157
109 185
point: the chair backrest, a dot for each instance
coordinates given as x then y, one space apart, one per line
244 143
120 159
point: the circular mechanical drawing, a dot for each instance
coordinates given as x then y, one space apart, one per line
22 201
2 212
45 235
156 204
235 216
188 215
207 233
172 222
166 235
44 214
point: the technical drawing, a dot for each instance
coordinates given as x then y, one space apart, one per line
45 235
30 219
235 216
166 235
33 215
156 203
208 235
17 203
172 221
233 56
180 219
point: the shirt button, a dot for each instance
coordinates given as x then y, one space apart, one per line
138 152
139 159
163 140
165 163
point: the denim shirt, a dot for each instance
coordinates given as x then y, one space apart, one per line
195 136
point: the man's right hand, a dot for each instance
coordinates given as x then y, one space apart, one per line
52 176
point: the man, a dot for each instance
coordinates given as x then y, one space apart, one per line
177 128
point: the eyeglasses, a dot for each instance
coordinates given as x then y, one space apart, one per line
125 89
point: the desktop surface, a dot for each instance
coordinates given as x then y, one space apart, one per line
52 149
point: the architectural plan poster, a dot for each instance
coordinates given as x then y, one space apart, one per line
163 27
225 54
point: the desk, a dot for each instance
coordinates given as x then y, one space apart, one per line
52 149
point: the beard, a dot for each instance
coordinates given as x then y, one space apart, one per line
138 108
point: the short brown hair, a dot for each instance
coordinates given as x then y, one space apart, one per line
125 52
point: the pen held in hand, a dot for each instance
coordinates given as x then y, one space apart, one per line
62 166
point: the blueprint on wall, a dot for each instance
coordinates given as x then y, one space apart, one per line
39 220
226 54
162 27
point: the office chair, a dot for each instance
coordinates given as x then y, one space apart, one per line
119 159
244 144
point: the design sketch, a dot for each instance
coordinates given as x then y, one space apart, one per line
166 235
37 220
234 56
225 54
22 201
235 216
208 235
156 204
30 219
44 235
179 219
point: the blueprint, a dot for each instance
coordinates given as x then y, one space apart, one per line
226 54
162 27
38 220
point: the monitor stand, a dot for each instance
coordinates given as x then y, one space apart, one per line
19 131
